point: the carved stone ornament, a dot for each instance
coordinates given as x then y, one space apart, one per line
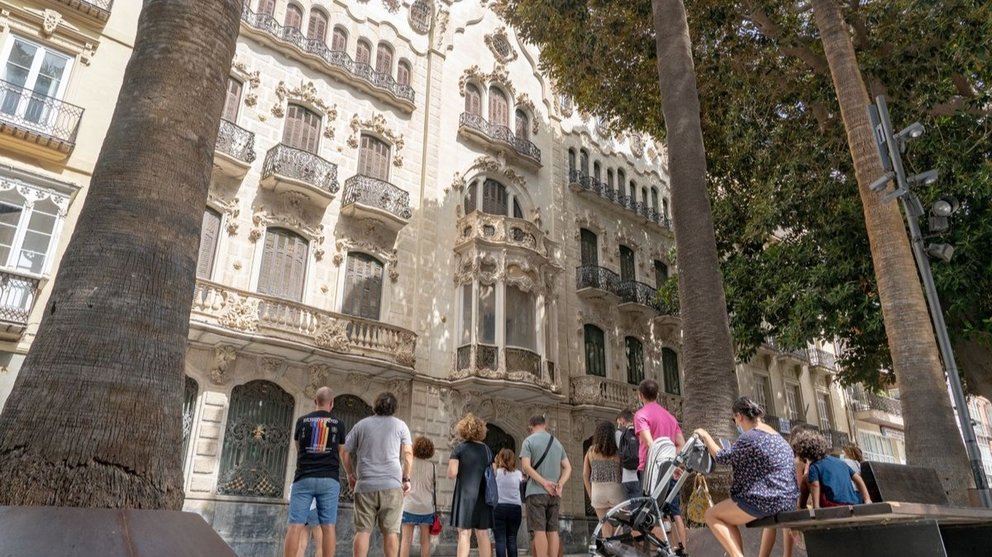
360 382
405 350
224 356
229 208
378 126
241 70
50 22
441 27
332 334
239 313
523 101
263 218
565 105
499 43
499 76
636 144
33 194
271 366
491 165
387 256
306 93
420 14
317 378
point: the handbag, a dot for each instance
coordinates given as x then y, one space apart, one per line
523 484
492 492
436 525
699 501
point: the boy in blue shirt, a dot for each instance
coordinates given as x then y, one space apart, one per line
831 481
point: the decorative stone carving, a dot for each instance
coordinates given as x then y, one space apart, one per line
636 144
252 79
271 366
306 93
317 375
564 104
441 27
239 313
387 256
405 352
230 208
50 21
360 381
498 76
332 334
499 43
224 356
86 56
523 100
492 165
4 20
293 218
378 126
420 15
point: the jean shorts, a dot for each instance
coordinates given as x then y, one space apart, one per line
324 490
410 518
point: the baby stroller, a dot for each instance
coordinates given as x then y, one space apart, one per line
638 517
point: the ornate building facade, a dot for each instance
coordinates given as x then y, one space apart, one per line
400 201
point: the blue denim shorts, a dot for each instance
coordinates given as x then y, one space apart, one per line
324 490
410 518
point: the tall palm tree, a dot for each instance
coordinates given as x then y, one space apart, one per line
710 380
932 438
94 419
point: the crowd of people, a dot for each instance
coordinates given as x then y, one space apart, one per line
394 481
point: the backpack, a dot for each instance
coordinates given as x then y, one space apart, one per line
630 457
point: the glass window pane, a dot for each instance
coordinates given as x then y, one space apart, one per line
521 331
466 336
487 314
595 345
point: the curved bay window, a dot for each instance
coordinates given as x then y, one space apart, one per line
595 345
363 286
256 441
635 360
496 199
670 366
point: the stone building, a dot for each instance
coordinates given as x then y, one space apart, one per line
400 201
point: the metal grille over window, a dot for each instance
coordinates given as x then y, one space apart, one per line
501 46
189 409
497 439
256 441
350 410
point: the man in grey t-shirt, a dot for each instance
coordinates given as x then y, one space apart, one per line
378 460
544 486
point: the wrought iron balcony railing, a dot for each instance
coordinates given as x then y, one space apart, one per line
822 358
631 291
592 276
99 9
283 160
511 364
501 134
236 141
583 181
293 36
379 194
863 401
17 294
38 114
838 439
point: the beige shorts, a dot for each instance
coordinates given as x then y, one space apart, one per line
606 495
383 508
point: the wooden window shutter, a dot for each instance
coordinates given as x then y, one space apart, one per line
627 267
473 101
373 158
339 42
494 199
294 16
635 361
403 73
317 27
209 235
283 269
522 124
267 7
384 60
363 286
233 100
589 247
364 53
595 346
302 129
497 108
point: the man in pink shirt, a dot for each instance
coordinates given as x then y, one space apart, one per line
652 422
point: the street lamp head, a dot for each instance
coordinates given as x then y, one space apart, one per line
880 183
926 178
911 131
945 206
943 252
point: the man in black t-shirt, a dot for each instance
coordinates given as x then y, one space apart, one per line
319 444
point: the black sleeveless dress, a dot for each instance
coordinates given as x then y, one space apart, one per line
468 502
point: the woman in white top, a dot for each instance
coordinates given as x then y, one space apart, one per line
418 504
508 513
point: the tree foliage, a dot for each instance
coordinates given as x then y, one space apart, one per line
789 221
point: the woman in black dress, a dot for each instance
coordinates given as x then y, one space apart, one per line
469 511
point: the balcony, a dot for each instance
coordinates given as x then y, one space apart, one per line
474 127
516 373
37 124
592 282
591 188
592 390
821 358
295 330
317 54
98 10
367 197
235 150
874 408
17 294
500 231
289 169
638 297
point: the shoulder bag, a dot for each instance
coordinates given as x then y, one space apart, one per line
540 461
492 492
699 501
436 525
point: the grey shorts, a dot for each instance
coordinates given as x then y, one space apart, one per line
383 508
542 513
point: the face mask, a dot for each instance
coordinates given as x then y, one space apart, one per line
740 430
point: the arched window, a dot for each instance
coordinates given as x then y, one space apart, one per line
339 40
363 55
609 178
494 198
644 196
384 59
302 129
622 187
633 194
596 172
190 390
595 345
317 27
403 73
664 206
284 264
362 286
232 101
497 439
523 123
209 234
654 199
473 100
571 164
499 108
584 162
660 273
589 248
266 7
626 264
256 441
670 365
294 16
373 158
635 360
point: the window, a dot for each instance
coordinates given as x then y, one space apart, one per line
521 329
349 409
339 40
670 367
654 199
584 162
522 124
487 314
189 408
660 274
596 171
363 286
302 129
259 423
384 59
759 392
635 360
32 68
494 198
518 213
571 163
209 235
294 17
622 184
876 448
26 230
466 336
363 55
824 410
664 206
609 178
626 264
284 264
633 193
498 108
644 196
403 73
373 158
595 350
267 7
473 100
589 248
794 402
233 100
317 28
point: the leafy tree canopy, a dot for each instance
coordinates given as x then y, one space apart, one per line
789 222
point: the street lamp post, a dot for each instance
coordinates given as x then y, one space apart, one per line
890 147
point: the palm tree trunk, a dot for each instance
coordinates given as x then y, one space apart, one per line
710 379
94 419
932 437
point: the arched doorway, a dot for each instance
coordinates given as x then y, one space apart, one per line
350 409
497 439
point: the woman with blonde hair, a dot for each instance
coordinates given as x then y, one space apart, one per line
469 511
418 505
508 514
601 472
